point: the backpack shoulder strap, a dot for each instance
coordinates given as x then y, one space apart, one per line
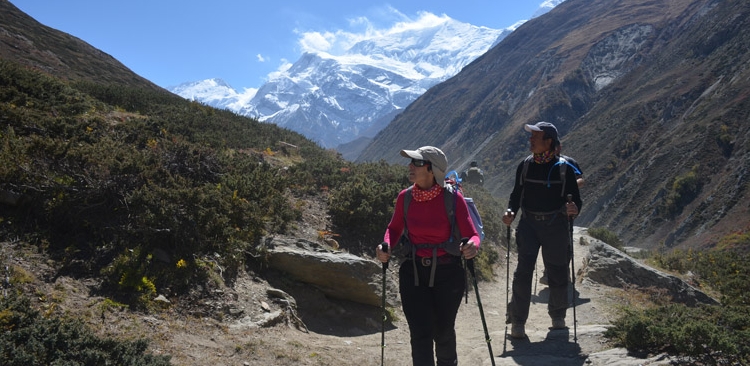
563 168
525 169
522 179
450 195
407 200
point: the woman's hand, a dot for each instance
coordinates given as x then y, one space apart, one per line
383 257
469 250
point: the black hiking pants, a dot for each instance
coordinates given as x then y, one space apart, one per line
431 311
552 236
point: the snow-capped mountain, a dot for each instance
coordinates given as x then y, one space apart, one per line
334 99
547 6
214 92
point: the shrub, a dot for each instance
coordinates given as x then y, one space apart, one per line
362 204
712 335
723 270
606 236
128 181
683 190
26 338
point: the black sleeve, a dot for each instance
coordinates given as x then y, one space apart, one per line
515 197
571 186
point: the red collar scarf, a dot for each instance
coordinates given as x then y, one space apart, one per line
421 195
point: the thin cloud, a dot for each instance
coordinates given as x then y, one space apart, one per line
261 58
283 68
362 28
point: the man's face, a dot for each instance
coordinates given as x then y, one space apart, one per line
538 144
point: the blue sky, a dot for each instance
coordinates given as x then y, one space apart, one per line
241 41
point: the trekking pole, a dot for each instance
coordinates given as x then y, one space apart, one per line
535 280
572 273
466 287
470 266
507 285
384 248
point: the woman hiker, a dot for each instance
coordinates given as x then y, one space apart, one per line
431 279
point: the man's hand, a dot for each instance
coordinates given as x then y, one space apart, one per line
571 209
508 217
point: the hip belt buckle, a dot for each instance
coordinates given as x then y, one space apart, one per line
542 217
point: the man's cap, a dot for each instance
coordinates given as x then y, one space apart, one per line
473 163
435 156
550 131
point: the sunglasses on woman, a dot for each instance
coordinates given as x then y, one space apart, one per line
419 163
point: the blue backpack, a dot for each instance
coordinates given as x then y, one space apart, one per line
455 183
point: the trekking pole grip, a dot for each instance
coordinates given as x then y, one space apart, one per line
570 199
384 248
469 262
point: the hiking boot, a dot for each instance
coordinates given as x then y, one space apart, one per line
558 323
518 331
543 279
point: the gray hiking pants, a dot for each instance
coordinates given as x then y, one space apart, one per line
552 236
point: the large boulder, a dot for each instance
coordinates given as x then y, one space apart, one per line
337 274
611 267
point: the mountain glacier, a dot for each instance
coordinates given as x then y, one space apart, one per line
335 99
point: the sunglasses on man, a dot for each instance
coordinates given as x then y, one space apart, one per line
419 163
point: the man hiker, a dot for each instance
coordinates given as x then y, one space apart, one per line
474 175
542 184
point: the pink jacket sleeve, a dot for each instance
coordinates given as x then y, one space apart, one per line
396 226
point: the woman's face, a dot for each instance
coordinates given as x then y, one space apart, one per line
420 175
538 144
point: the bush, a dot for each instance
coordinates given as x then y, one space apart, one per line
606 236
26 338
362 204
683 190
129 182
725 271
712 335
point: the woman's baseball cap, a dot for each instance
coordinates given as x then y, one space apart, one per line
435 156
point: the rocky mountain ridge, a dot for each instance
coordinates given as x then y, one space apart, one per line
649 96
